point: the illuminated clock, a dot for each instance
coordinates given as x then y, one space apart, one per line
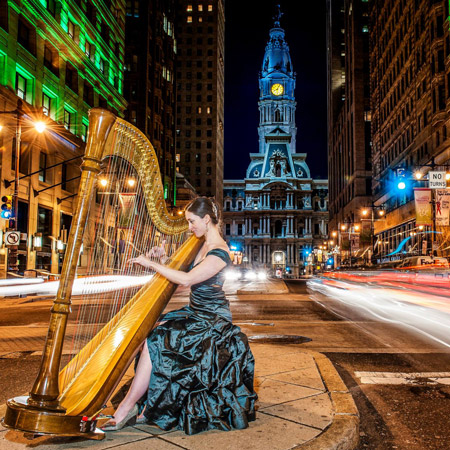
277 89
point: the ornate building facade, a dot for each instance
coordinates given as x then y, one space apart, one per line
277 216
58 59
410 97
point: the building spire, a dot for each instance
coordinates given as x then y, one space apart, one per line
277 17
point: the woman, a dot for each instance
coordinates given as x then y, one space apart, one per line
196 369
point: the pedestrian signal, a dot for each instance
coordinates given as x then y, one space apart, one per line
6 207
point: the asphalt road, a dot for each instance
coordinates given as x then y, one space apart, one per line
401 416
406 416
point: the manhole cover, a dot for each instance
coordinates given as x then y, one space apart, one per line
279 338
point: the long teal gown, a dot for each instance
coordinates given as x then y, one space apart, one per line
202 366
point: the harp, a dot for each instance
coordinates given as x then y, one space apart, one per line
114 223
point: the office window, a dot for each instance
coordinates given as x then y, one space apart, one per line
21 86
26 35
43 167
71 77
198 157
189 19
210 8
200 8
208 157
88 49
46 104
189 8
51 7
84 132
71 29
67 119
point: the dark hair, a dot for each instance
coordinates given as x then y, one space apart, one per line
201 206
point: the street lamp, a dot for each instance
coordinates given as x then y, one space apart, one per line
40 126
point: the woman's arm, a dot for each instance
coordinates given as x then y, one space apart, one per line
203 271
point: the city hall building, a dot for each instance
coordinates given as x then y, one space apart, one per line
277 216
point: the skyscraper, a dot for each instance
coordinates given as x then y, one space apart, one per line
349 112
150 80
200 94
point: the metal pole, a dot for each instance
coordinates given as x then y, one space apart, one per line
372 231
17 163
433 212
12 252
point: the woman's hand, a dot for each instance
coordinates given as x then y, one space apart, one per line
159 252
142 260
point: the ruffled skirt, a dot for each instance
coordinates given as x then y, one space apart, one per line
202 374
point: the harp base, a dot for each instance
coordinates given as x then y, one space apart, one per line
23 417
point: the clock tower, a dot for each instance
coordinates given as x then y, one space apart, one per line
276 218
276 85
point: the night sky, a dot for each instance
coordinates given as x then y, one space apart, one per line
246 35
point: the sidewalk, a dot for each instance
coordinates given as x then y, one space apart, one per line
303 405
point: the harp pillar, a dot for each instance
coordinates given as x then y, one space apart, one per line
41 412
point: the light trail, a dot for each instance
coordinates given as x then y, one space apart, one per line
90 285
427 315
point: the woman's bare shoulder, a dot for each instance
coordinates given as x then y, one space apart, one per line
218 246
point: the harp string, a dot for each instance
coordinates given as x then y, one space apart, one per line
110 240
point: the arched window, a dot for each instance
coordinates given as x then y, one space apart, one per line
277 115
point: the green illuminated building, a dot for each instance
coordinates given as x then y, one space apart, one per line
61 58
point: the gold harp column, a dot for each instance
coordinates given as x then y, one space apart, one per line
45 391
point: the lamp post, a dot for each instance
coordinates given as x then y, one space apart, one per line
18 113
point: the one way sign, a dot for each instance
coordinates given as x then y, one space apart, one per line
437 180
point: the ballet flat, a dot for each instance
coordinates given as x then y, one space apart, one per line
129 419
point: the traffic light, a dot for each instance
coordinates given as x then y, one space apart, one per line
6 207
401 179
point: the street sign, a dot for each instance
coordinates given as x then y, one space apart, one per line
12 237
437 180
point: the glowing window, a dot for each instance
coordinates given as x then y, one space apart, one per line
209 7
71 29
189 19
200 8
189 8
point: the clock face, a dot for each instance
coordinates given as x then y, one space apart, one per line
277 89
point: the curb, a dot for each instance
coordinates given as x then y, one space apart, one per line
268 287
343 433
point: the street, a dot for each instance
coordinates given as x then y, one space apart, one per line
398 378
